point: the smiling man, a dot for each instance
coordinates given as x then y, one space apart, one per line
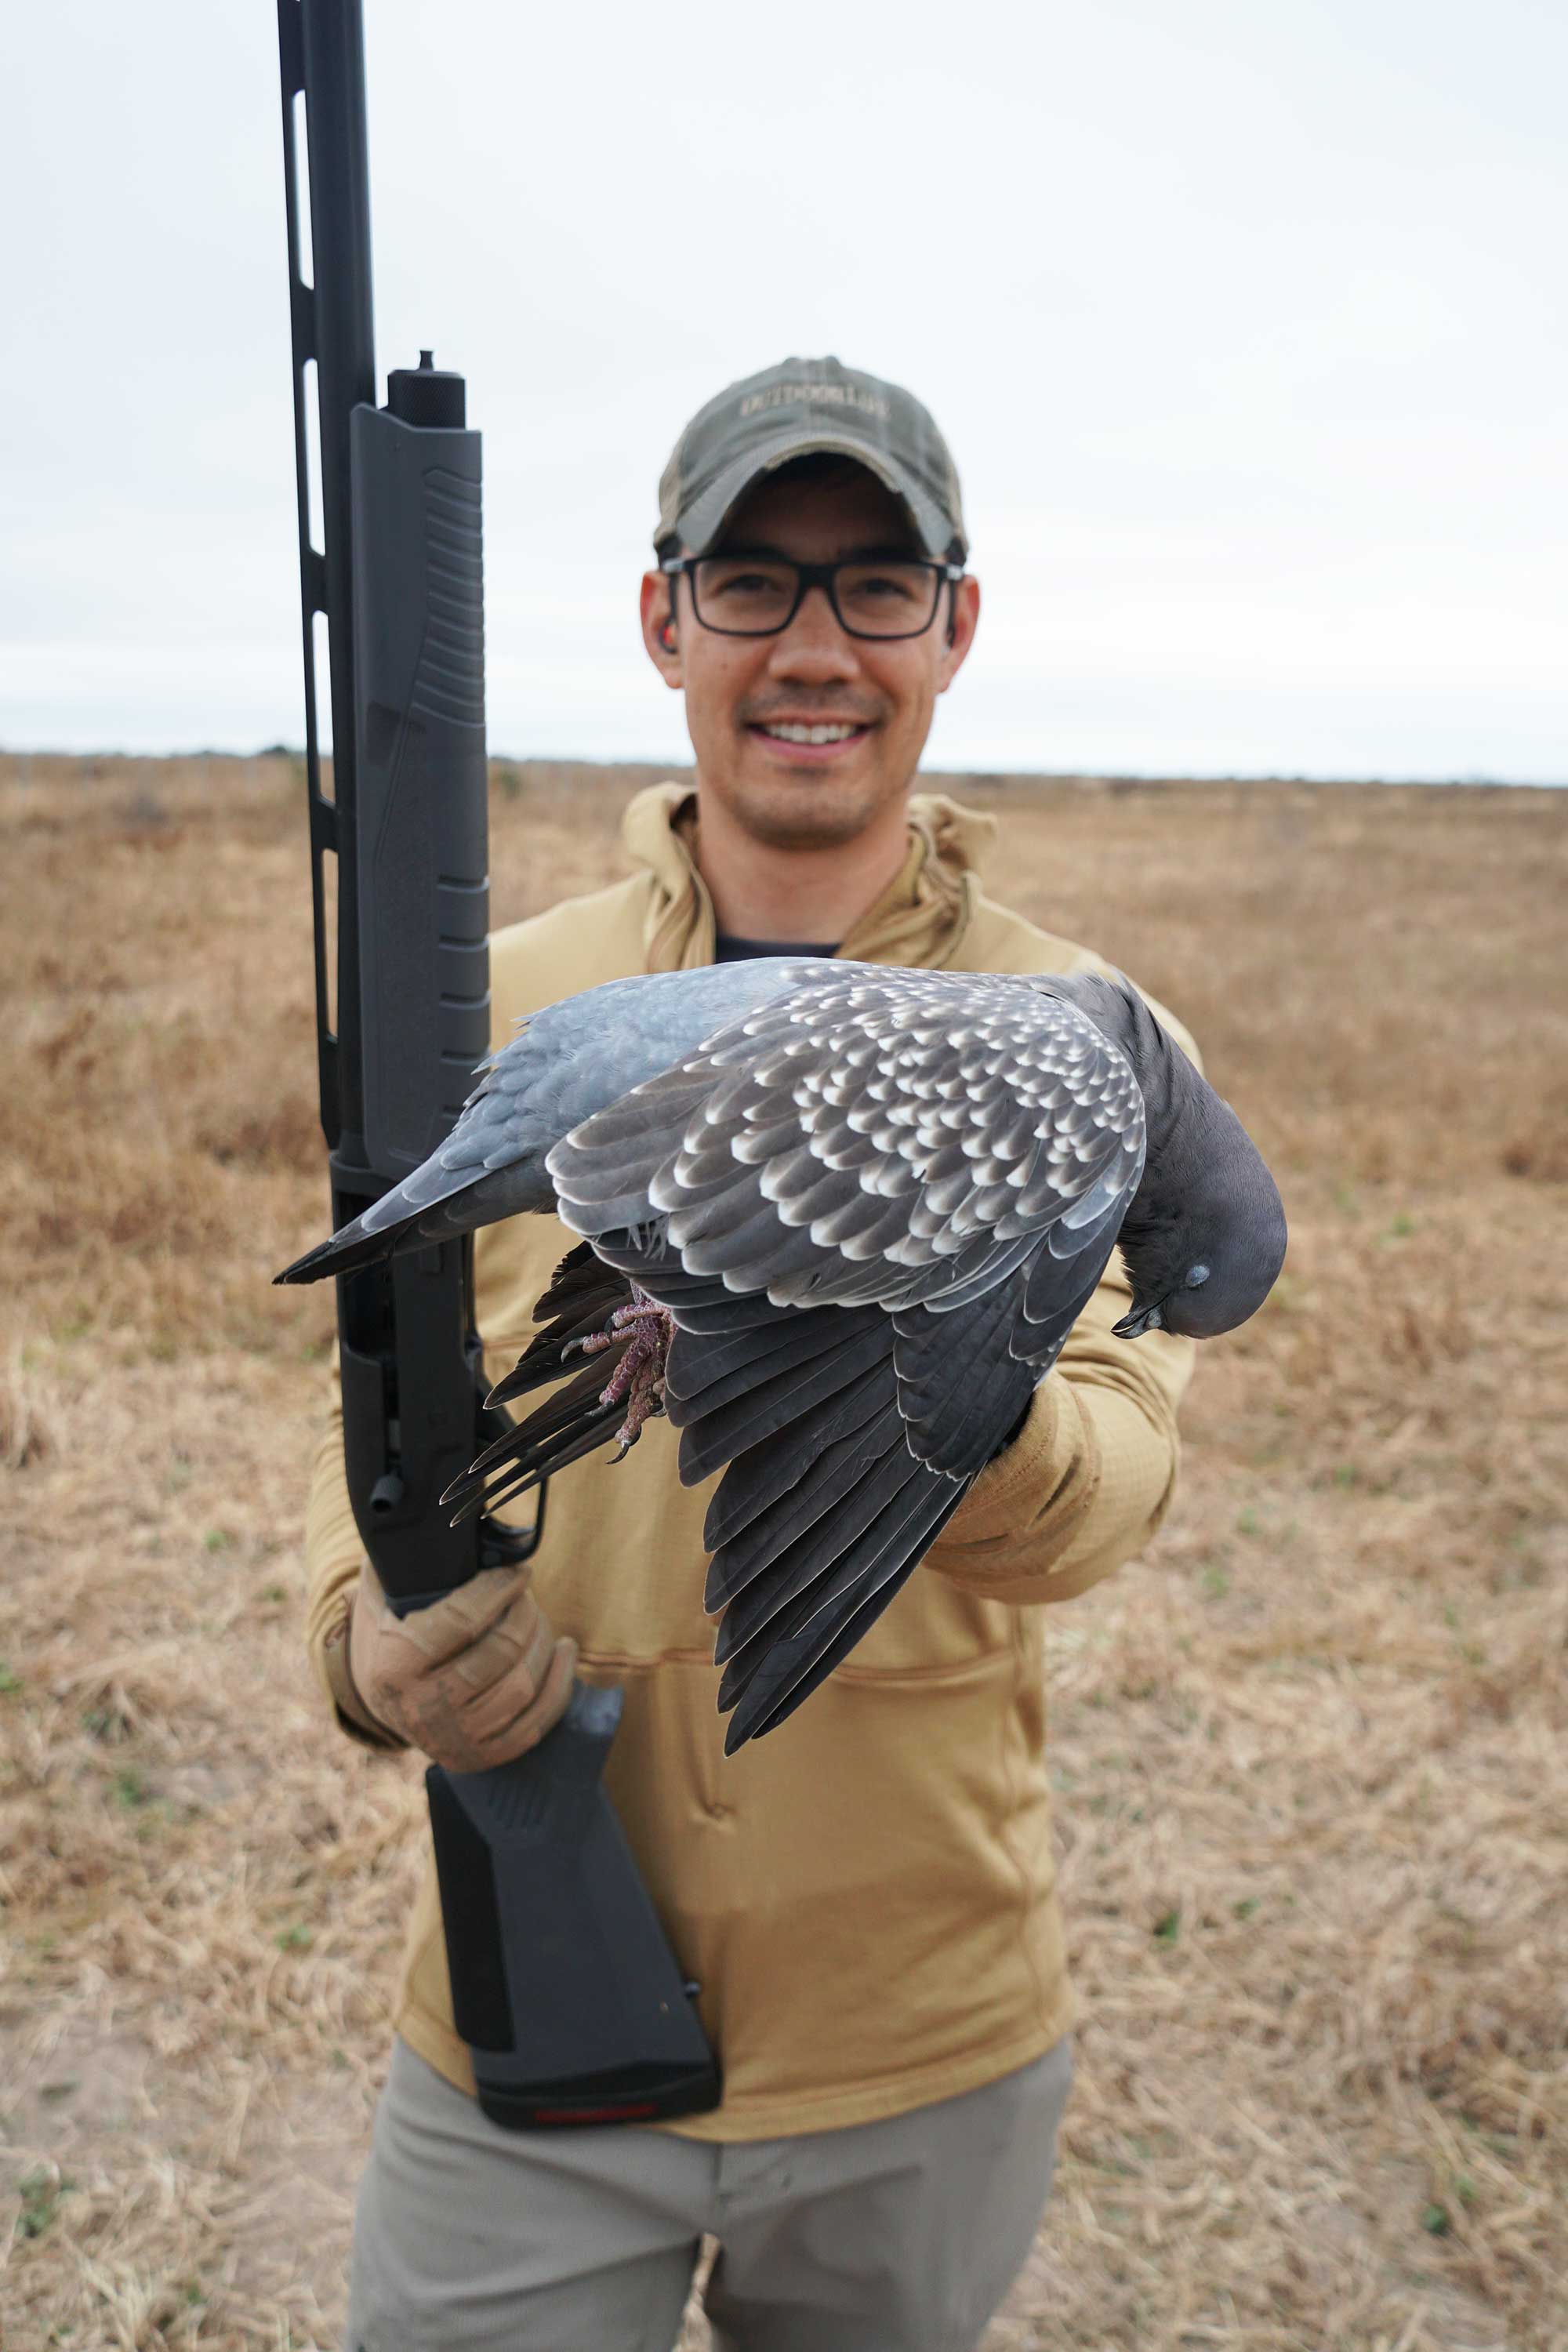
824 623
867 1897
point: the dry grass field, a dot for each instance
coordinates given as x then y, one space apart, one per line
1310 1753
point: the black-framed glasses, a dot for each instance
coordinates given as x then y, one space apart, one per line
742 596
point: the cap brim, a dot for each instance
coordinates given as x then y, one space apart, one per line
700 523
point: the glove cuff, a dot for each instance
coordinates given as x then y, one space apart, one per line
353 1714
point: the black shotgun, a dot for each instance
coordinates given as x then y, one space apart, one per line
563 1983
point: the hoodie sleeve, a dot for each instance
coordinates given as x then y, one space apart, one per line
1091 1475
333 1559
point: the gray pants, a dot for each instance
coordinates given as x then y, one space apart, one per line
901 2236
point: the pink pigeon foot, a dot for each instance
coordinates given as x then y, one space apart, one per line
639 1375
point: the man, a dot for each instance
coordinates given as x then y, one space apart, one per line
865 1897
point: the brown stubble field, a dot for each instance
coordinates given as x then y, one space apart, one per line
1312 1779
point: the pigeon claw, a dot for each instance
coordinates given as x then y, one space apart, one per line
591 1346
639 1375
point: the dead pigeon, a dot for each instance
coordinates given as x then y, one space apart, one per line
839 1221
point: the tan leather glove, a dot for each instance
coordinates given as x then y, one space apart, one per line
474 1680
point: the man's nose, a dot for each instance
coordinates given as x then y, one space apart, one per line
813 648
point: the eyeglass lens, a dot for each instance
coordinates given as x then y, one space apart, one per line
753 596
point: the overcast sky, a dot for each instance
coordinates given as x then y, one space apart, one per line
1244 319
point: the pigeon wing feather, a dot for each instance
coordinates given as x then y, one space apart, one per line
871 1136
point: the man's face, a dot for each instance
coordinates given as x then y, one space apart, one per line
741 691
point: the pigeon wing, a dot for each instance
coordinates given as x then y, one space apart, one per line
870 1138
874 1207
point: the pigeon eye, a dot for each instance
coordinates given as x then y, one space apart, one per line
1196 1273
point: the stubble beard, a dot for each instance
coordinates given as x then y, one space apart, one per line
806 816
800 811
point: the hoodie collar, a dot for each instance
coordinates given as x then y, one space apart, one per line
921 918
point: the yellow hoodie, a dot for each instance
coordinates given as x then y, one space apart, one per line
866 1896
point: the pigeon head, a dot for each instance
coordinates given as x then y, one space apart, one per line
1203 1239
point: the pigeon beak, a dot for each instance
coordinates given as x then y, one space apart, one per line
1134 1324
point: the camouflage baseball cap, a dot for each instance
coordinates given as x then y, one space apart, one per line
795 410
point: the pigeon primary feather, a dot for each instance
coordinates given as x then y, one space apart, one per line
837 1221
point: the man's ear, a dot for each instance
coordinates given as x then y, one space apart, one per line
963 618
660 634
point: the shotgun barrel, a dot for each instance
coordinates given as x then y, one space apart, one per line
399 843
563 1984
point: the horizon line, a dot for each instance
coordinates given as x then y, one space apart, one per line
675 768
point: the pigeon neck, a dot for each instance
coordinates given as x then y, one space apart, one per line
1167 1111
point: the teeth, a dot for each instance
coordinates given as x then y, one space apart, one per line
789 733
